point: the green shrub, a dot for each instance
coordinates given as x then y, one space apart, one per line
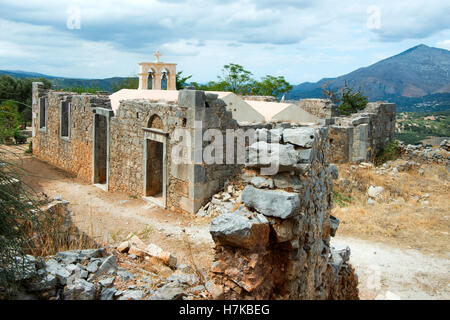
348 100
352 101
20 137
20 218
390 151
9 121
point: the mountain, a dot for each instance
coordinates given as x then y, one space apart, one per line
24 74
63 83
417 79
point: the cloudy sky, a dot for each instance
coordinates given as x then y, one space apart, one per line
303 40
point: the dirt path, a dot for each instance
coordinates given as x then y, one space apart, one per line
110 217
393 273
384 271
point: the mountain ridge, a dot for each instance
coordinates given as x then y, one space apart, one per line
413 73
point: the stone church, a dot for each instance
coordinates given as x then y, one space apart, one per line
125 141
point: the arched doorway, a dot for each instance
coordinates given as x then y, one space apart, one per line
155 161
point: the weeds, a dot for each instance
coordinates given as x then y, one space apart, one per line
340 199
390 152
198 272
26 227
30 148
146 232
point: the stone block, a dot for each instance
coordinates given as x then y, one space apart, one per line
274 203
334 224
284 229
302 137
200 191
333 171
306 155
261 182
287 181
261 154
191 99
190 205
270 136
241 228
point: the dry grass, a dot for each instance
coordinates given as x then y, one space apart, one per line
48 228
399 216
57 233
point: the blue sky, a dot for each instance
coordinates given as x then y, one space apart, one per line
303 40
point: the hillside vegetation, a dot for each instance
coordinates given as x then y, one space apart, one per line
412 127
416 80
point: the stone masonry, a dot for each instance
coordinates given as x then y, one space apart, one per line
276 244
360 136
73 153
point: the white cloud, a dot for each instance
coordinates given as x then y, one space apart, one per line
305 40
445 44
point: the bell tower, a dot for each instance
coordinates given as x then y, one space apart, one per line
151 74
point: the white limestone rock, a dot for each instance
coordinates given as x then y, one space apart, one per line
302 137
273 203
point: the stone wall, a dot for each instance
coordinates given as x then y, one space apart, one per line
190 183
208 112
322 108
127 143
74 153
360 136
276 245
341 141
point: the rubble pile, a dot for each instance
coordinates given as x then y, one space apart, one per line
222 202
94 274
440 155
105 273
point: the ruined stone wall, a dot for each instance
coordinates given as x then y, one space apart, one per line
276 245
74 153
126 158
189 183
341 142
382 124
360 136
322 108
207 112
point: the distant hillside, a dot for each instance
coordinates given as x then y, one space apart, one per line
61 83
416 79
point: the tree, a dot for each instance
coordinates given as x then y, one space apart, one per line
9 121
348 100
211 86
330 94
352 101
181 81
236 79
19 91
271 86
